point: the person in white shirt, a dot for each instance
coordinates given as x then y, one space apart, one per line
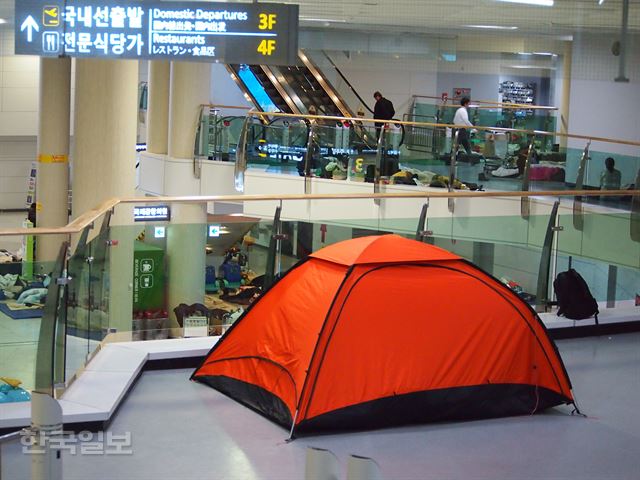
462 118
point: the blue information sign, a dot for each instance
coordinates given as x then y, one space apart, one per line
253 33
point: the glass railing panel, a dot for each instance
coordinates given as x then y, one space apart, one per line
23 292
219 264
278 146
82 333
224 135
601 249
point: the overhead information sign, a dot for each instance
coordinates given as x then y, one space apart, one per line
253 33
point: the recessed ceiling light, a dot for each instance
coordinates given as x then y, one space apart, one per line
491 27
2 20
539 3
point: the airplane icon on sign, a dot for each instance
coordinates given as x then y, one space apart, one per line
51 16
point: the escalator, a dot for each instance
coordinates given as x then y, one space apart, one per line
290 89
295 90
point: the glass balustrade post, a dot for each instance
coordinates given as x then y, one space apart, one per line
308 156
451 202
542 292
241 154
525 202
634 220
380 159
578 211
274 247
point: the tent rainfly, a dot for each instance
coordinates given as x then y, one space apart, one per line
382 331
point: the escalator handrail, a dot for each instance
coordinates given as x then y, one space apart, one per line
347 82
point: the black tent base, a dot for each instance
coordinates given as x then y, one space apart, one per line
450 404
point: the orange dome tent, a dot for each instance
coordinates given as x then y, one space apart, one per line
380 331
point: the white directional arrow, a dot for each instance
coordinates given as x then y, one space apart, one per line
30 25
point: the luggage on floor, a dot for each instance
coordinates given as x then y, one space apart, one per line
574 297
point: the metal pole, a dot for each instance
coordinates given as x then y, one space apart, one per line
612 282
624 40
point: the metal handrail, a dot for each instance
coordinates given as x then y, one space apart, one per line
521 106
448 125
9 437
89 217
220 107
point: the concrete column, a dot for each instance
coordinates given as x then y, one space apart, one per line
53 153
563 121
186 236
190 88
186 240
158 107
104 164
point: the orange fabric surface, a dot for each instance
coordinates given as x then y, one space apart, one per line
282 328
381 249
403 329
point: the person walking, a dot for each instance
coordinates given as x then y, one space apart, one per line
383 110
462 118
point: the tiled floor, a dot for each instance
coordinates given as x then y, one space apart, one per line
185 430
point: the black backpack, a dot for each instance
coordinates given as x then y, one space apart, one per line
574 297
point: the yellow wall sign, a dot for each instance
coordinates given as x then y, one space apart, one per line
53 158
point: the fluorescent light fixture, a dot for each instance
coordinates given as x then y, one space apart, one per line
600 2
2 20
323 20
541 54
538 3
531 67
491 27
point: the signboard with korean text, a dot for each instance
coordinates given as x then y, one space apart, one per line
157 213
252 33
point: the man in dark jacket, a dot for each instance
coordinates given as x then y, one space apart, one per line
383 110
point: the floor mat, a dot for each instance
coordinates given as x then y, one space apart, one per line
20 313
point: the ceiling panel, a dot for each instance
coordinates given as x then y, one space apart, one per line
438 16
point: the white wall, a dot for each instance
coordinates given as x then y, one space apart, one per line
19 86
19 80
224 91
16 157
602 107
396 78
